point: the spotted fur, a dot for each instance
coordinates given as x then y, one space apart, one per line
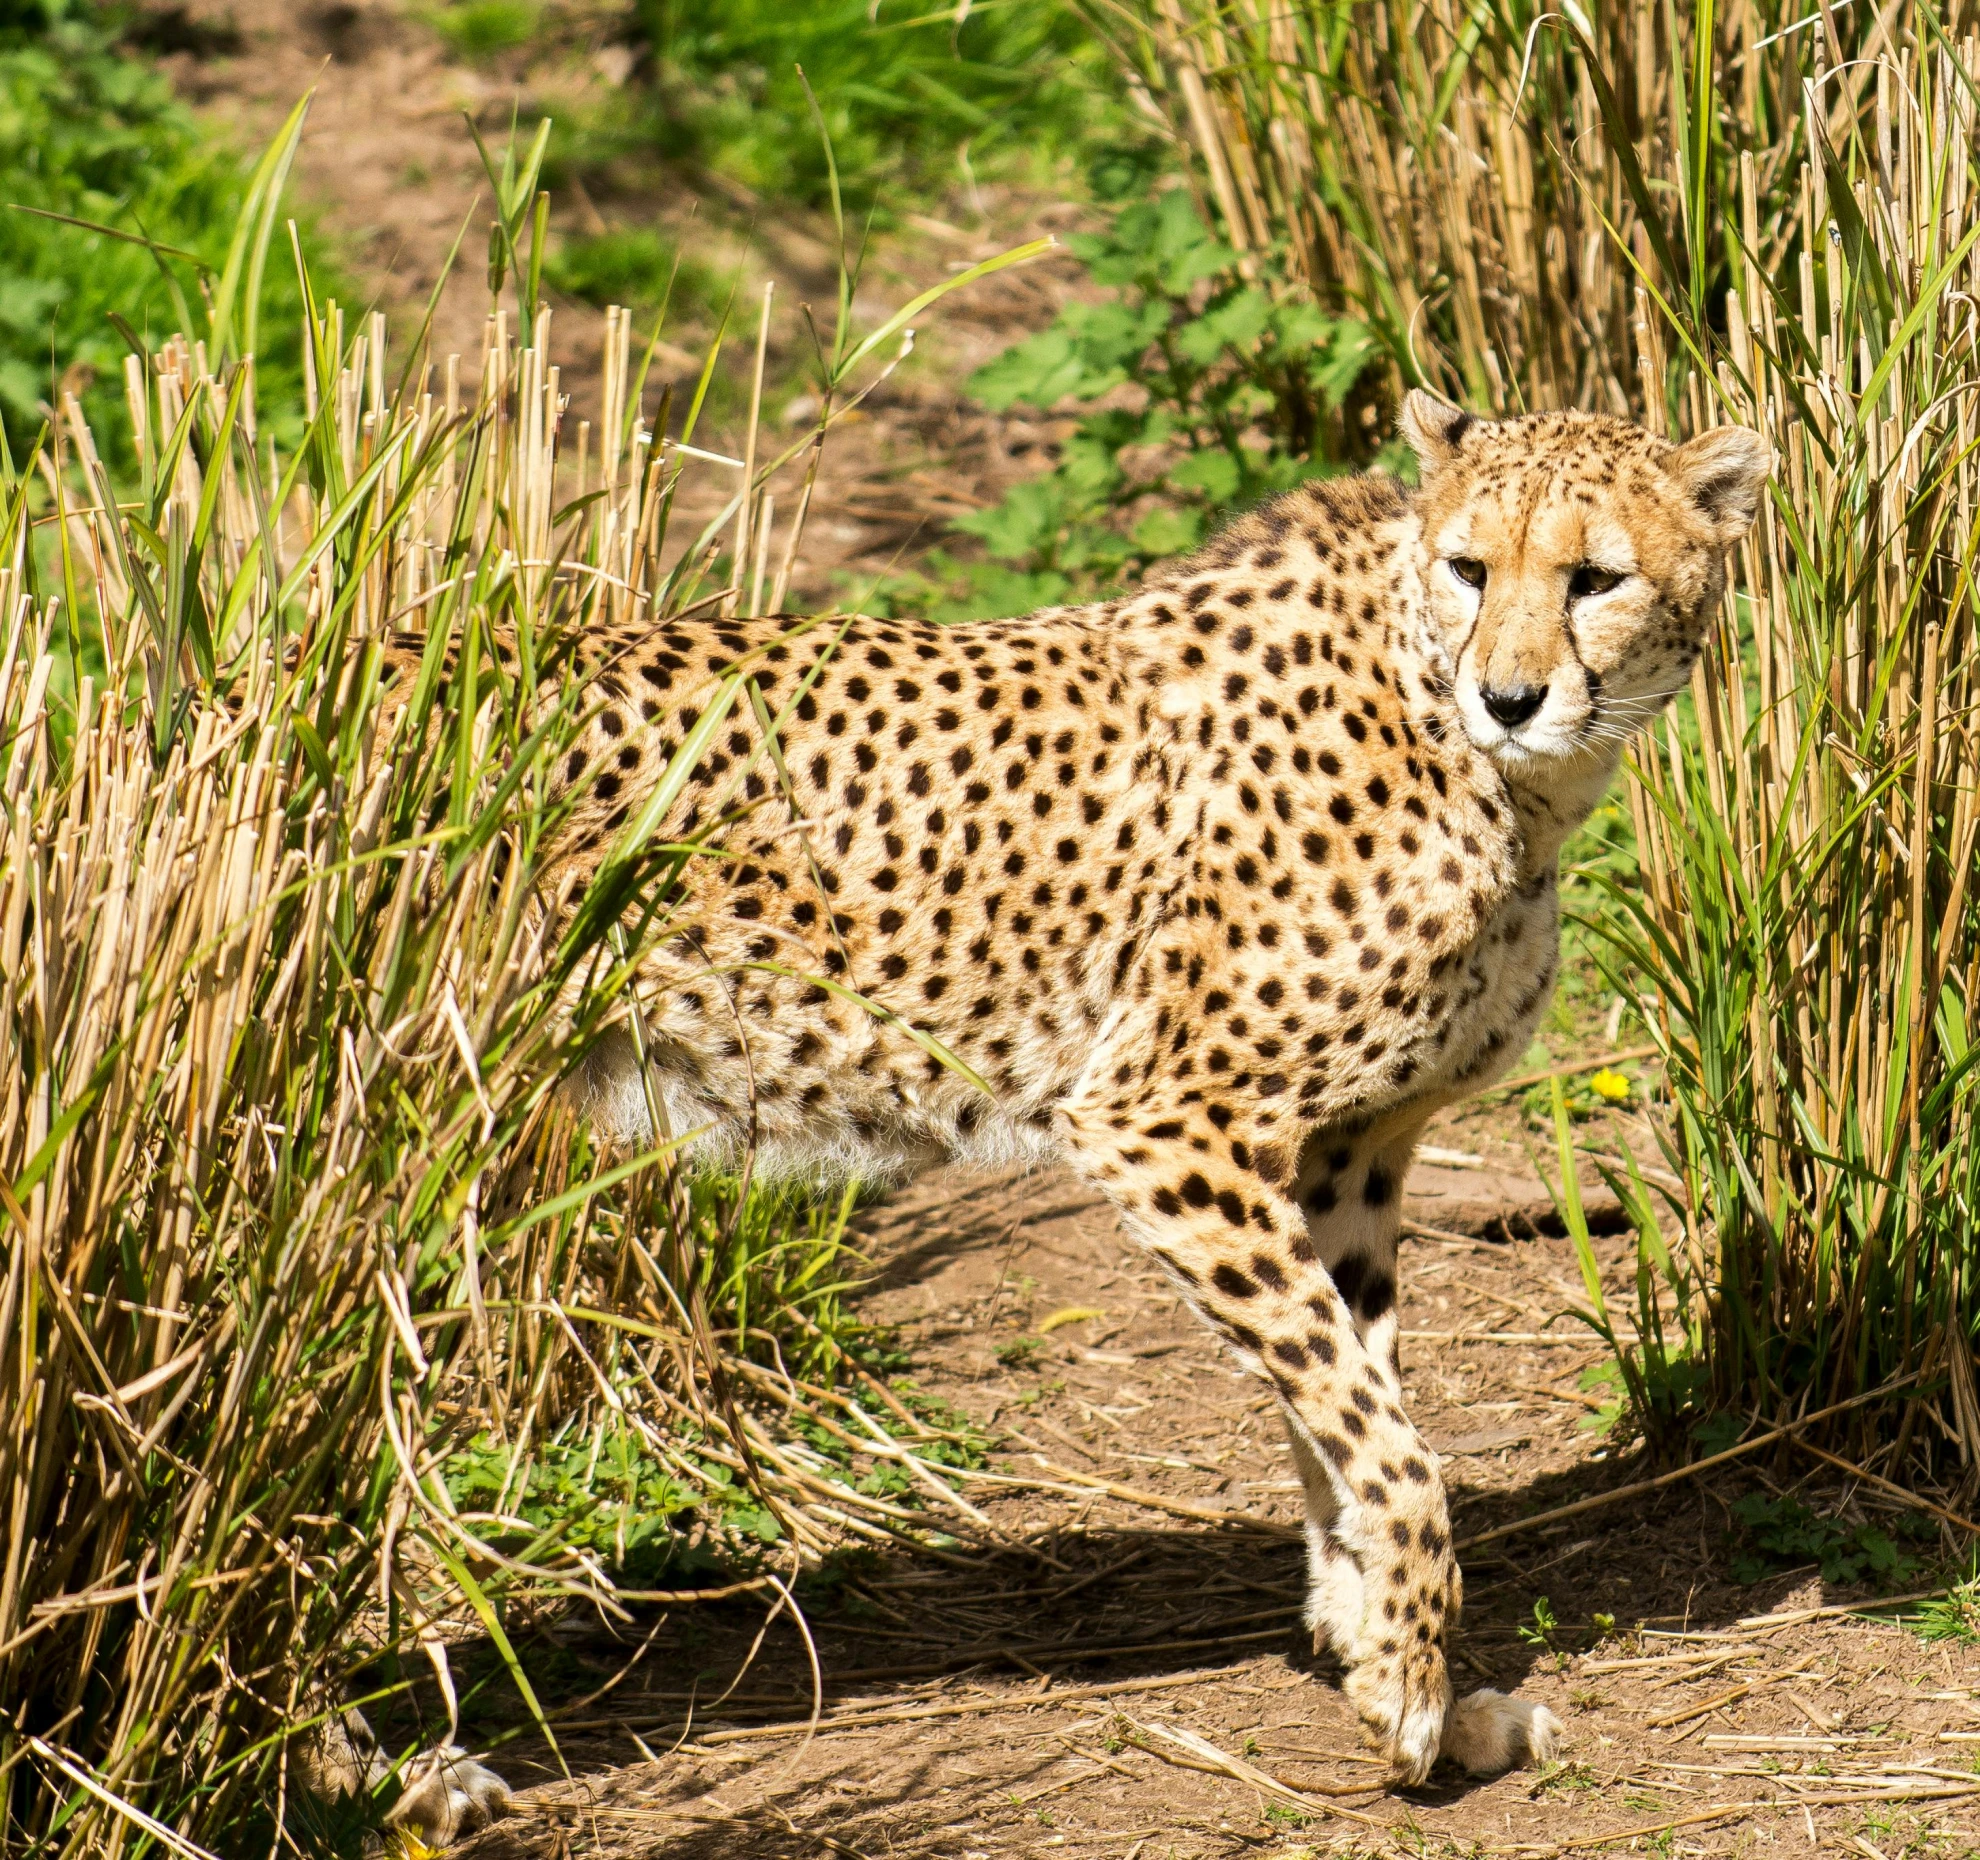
1221 888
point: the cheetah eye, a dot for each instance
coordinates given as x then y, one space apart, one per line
1469 570
1588 580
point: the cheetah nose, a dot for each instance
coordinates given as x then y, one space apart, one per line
1513 706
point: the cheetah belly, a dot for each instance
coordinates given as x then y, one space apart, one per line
872 1133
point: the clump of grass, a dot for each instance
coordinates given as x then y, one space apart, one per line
283 1031
487 28
1952 1616
634 266
1808 915
323 1327
1695 217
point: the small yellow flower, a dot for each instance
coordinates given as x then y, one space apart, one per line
1610 1085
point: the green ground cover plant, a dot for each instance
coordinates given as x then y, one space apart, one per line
90 130
1772 1534
1203 385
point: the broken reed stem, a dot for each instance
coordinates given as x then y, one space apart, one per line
746 503
1673 1477
1186 1750
1906 1493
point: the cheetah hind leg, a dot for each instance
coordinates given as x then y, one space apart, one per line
443 1795
1483 1733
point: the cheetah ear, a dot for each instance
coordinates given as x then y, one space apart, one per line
1722 472
1434 429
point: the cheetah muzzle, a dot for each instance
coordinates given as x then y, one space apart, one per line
1222 888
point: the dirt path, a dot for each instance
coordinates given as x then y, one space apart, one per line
1129 1679
391 173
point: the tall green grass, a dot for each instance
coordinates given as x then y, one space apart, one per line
324 1327
1692 216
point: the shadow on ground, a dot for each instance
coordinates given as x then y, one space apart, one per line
1102 1608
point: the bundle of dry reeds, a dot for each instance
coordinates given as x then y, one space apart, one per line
293 1219
1742 211
1482 184
1810 916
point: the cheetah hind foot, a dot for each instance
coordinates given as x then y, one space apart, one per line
446 1795
443 1794
1488 1731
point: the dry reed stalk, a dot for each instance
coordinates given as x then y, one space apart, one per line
297 1235
1742 211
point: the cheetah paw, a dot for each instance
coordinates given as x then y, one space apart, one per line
448 1794
1488 1732
1416 1744
1403 1715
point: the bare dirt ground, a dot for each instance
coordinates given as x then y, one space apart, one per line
1125 1676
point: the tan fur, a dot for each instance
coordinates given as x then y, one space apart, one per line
1223 888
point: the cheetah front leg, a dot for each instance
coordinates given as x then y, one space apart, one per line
1350 1189
1196 1186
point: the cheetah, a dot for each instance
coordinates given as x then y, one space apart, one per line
1214 892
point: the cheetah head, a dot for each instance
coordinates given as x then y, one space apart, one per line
1573 565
